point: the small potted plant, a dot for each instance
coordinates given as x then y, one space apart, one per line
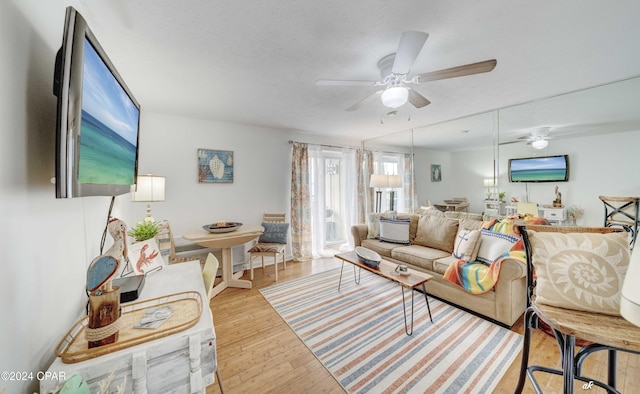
144 230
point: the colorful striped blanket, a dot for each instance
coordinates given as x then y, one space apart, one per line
477 277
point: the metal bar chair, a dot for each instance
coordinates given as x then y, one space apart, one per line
600 331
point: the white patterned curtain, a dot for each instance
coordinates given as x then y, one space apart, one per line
300 203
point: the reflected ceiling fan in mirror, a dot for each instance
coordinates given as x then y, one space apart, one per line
395 68
539 137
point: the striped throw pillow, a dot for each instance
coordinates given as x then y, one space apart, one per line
394 230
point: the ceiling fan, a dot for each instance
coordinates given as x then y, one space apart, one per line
395 68
538 138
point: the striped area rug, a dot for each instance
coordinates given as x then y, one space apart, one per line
359 336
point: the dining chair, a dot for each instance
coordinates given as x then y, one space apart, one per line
272 243
167 245
209 273
209 276
574 279
622 212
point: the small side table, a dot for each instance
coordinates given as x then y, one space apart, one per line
555 215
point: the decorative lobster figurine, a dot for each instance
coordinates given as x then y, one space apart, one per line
104 267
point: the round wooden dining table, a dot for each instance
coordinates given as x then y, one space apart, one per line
226 241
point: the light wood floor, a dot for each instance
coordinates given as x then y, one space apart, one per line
259 353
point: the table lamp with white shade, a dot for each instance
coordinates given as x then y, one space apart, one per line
382 181
148 188
489 183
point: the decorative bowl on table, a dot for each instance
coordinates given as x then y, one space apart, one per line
222 227
368 257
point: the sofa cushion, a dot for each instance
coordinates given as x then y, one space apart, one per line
419 256
436 232
466 245
580 271
494 245
470 224
463 215
382 248
440 265
394 231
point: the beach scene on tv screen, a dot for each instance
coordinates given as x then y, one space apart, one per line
539 169
109 127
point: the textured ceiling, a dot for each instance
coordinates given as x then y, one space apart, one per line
255 62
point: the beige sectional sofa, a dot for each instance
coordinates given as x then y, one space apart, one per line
432 236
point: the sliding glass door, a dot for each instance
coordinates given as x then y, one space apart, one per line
333 197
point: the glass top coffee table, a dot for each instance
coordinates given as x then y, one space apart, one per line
386 269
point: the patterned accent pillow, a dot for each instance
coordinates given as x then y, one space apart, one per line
494 245
466 245
394 231
580 271
374 223
274 233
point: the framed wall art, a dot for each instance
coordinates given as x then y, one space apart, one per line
215 166
436 173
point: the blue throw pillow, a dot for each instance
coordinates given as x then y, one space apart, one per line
275 233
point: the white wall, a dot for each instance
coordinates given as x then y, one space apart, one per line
599 165
459 179
261 183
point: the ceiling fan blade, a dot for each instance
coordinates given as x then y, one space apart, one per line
417 99
335 82
364 101
459 71
410 45
509 142
555 136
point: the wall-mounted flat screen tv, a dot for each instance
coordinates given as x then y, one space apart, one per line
98 118
539 169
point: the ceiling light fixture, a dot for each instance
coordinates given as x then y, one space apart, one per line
540 143
395 96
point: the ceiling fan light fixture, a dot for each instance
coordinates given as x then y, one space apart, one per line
540 143
395 96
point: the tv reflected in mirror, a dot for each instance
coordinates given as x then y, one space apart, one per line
539 169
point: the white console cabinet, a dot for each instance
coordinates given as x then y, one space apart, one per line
183 362
554 215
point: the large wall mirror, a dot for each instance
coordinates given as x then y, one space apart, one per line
598 128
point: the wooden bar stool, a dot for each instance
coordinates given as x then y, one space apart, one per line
622 212
596 324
